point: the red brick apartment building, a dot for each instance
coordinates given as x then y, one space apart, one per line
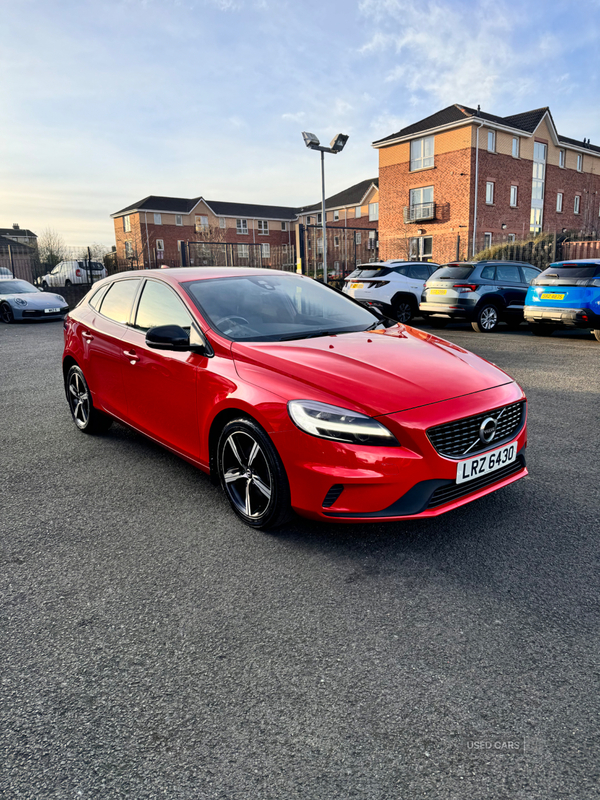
462 180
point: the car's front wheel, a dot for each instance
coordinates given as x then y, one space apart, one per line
6 314
87 418
597 335
403 310
487 319
252 475
68 283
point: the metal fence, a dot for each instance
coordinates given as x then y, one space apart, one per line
346 247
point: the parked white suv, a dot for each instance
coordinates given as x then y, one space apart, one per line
67 273
393 287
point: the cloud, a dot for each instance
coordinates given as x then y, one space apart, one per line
297 117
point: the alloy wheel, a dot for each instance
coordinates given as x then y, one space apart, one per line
6 313
488 318
79 400
403 312
246 474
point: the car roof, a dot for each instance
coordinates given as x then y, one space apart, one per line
186 274
576 261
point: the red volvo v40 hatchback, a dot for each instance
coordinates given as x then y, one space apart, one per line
293 395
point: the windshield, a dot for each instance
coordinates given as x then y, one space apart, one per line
452 273
16 287
266 308
573 270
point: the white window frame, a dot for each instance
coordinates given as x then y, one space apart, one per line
579 162
263 227
561 159
487 240
491 141
420 160
222 222
178 219
358 212
336 241
243 251
577 204
158 219
284 226
511 237
127 223
559 202
489 193
265 250
358 237
336 216
373 212
160 245
201 223
128 250
241 226
514 196
516 146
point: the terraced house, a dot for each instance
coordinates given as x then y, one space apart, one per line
462 180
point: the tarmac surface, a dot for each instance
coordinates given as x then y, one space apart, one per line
152 646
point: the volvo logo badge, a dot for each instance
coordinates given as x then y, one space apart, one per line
487 430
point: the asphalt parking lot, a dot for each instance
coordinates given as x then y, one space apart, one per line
154 647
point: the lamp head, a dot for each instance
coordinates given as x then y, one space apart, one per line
310 140
339 142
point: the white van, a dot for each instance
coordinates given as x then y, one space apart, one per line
69 272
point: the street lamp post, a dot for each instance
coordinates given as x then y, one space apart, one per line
336 146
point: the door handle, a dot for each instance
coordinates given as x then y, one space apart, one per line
87 336
132 356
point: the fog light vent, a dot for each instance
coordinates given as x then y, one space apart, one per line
332 495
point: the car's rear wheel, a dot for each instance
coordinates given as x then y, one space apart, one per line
68 283
487 319
438 322
540 330
404 309
87 418
252 475
597 335
6 314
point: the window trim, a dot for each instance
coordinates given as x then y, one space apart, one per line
491 194
357 212
516 195
261 225
417 164
562 158
127 223
239 227
372 217
222 222
516 139
159 218
336 215
491 135
179 219
559 202
577 204
162 242
489 244
141 282
579 162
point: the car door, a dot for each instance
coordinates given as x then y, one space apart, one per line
161 385
102 332
510 286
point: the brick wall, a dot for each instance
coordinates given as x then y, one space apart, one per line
504 171
570 182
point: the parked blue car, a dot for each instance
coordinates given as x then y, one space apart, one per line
19 300
566 295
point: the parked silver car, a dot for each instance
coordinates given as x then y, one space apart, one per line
66 273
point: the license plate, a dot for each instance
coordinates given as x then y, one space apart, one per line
438 291
488 462
553 297
357 285
51 310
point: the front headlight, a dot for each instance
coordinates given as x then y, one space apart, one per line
339 424
20 301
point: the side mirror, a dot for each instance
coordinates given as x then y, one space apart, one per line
168 337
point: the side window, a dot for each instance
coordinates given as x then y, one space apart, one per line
159 305
529 273
488 273
510 274
97 298
118 300
401 271
421 273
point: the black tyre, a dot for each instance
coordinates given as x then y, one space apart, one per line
87 418
487 319
597 335
68 283
6 314
438 322
540 330
44 285
404 309
252 475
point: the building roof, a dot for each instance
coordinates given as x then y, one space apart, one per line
527 122
348 197
5 241
174 205
19 232
223 209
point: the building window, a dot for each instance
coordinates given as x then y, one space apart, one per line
222 222
421 153
127 223
489 193
158 219
336 241
357 212
535 221
515 147
265 250
372 243
263 227
559 201
511 237
579 162
243 250
319 219
421 204
491 141
178 219
242 227
358 236
128 250
487 240
561 158
160 244
373 212
577 204
336 216
201 224
284 226
421 248
514 190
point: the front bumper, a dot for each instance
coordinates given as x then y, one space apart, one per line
568 317
332 481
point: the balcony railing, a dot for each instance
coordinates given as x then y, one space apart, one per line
419 212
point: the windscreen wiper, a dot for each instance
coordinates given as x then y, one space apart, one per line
313 334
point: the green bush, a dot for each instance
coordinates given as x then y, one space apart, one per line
538 251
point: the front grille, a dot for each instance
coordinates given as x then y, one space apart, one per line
461 437
445 494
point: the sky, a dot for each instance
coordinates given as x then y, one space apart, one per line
107 101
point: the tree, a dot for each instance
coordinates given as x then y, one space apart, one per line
51 248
